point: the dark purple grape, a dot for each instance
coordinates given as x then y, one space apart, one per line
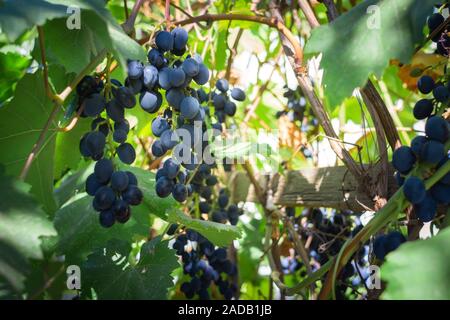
107 218
103 170
164 41
425 84
423 109
104 198
403 159
119 181
414 190
133 195
126 153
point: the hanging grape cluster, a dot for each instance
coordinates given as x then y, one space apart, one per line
114 191
429 149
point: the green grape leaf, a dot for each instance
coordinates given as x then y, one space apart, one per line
419 270
67 155
21 122
80 232
362 41
22 225
107 272
17 16
218 233
12 68
98 30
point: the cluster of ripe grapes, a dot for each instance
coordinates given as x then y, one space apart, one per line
442 39
428 149
324 236
385 243
297 114
182 127
114 191
296 106
204 264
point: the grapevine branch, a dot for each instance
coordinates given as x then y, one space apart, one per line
271 22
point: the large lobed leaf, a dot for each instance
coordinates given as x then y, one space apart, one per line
21 122
218 233
352 50
108 273
22 225
419 270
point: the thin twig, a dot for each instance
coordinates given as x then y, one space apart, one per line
233 52
271 22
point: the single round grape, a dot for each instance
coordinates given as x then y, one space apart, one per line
426 209
181 177
150 76
219 102
92 185
135 69
86 86
190 67
107 218
379 247
437 129
120 136
115 111
414 190
417 145
123 125
132 180
189 107
440 192
135 85
150 101
223 200
432 152
103 170
219 216
206 192
425 84
164 78
441 93
222 85
164 41
171 167
176 77
125 97
133 195
403 159
174 97
169 139
94 104
179 192
121 211
204 207
84 150
163 187
423 109
126 153
203 75
237 94
156 58
211 180
180 38
95 143
230 108
393 240
119 181
104 198
159 125
434 21
158 150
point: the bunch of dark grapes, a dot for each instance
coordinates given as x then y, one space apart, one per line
181 127
114 191
428 149
324 237
442 39
297 113
296 106
221 210
385 243
204 264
